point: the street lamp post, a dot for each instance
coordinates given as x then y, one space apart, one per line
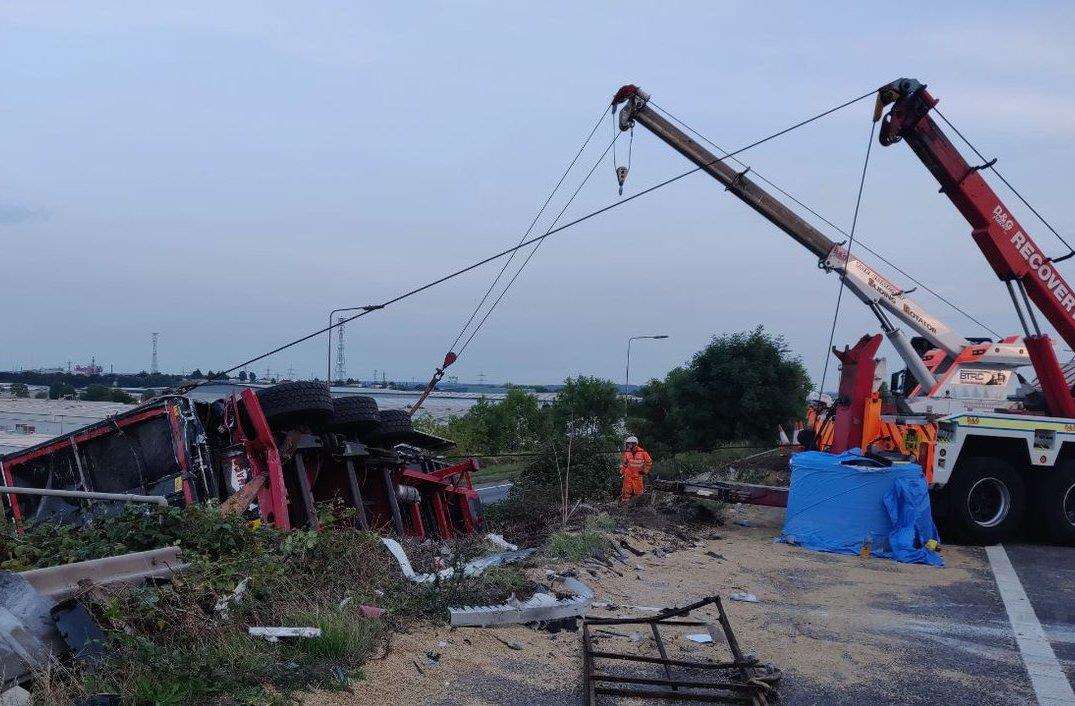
627 373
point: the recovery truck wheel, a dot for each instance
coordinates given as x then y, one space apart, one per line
986 500
292 404
356 413
1054 502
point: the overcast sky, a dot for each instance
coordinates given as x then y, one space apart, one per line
226 173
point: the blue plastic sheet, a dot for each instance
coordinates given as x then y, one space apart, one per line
843 502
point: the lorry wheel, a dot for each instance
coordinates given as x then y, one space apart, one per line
987 500
292 404
1054 502
395 422
355 413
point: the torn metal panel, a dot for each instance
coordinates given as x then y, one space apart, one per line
541 607
472 568
59 582
28 635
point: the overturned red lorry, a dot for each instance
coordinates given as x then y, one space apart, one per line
273 453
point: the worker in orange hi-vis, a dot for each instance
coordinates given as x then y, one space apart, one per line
635 465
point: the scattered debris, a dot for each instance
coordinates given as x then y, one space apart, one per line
513 644
741 680
273 634
371 611
541 607
700 637
223 606
628 547
744 597
498 540
473 568
718 557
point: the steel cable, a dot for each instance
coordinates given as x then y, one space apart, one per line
862 244
608 207
850 244
530 228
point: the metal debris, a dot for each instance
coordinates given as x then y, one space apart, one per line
473 568
741 680
273 634
60 582
541 607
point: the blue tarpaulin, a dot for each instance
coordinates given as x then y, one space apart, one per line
843 502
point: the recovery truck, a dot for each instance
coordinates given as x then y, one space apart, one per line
272 453
945 372
992 467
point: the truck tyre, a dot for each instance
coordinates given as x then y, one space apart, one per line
292 404
986 500
355 413
1054 502
395 422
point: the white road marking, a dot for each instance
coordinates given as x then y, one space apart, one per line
1051 686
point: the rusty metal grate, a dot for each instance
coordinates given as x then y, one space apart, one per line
742 680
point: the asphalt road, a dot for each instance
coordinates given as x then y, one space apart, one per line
493 493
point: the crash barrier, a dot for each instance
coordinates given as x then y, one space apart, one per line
852 504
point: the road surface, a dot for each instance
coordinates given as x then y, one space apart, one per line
494 492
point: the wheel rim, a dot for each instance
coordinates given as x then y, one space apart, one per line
1067 507
989 502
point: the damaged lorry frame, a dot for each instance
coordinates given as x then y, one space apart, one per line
272 453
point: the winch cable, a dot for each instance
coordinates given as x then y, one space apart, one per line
503 253
536 247
861 243
529 229
850 244
991 165
452 355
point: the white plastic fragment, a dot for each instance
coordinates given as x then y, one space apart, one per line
498 540
223 606
273 634
472 568
700 637
744 597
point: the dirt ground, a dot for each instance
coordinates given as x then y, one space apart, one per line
843 629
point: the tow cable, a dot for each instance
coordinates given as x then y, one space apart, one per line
451 356
541 238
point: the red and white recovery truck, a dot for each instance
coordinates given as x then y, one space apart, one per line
985 498
997 467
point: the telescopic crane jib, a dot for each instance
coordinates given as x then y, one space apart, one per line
956 360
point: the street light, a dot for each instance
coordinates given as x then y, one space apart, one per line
627 374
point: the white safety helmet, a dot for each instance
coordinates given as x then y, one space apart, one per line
631 440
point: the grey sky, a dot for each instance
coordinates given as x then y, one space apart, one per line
225 173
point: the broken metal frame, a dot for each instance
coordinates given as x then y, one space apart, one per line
743 682
745 493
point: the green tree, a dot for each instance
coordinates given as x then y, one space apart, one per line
740 387
589 406
650 418
18 389
59 390
103 393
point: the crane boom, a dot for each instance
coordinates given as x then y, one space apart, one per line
1017 260
877 292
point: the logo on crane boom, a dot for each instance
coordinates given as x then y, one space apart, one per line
1040 264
